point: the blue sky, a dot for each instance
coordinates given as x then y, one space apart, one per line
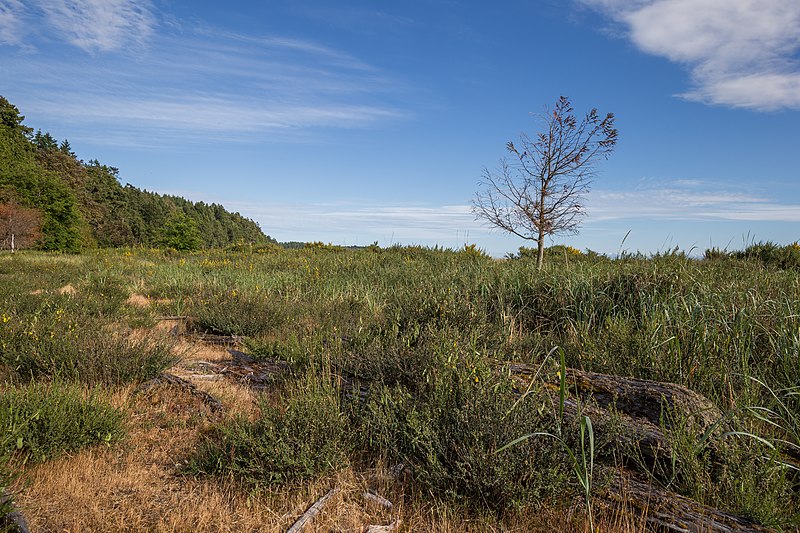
354 122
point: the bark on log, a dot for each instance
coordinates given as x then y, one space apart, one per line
311 512
654 401
175 381
635 410
667 511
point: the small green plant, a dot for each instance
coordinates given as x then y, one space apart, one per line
472 250
583 466
302 439
238 312
43 421
449 430
782 414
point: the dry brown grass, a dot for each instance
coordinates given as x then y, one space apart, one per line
138 484
140 300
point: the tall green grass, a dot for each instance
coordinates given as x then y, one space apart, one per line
727 327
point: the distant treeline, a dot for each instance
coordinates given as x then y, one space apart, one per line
84 205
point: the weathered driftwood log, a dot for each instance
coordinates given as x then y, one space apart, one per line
221 340
663 510
311 512
378 499
13 522
259 373
642 441
639 412
657 402
383 529
636 410
175 381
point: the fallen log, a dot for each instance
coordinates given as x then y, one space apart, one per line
641 413
637 412
172 380
311 512
220 340
259 373
657 402
664 510
383 529
378 499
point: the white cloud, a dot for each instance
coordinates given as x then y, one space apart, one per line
741 53
100 25
209 115
11 21
340 221
92 25
690 201
204 87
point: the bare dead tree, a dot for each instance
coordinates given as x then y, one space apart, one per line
539 190
19 226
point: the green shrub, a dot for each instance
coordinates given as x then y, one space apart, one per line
303 438
239 312
731 469
771 254
47 420
450 434
52 345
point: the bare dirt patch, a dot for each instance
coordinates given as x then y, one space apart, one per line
138 300
67 289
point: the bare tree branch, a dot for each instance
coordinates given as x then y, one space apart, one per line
538 191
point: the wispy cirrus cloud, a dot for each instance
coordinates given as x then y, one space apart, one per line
11 23
201 85
92 25
363 223
652 202
688 200
100 25
740 53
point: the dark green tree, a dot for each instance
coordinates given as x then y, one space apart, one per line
11 118
66 149
23 180
181 233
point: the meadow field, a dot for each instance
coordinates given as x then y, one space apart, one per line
388 371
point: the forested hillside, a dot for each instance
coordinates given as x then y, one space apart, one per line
81 204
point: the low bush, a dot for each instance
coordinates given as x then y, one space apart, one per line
771 254
238 312
303 438
51 344
731 469
450 434
47 420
